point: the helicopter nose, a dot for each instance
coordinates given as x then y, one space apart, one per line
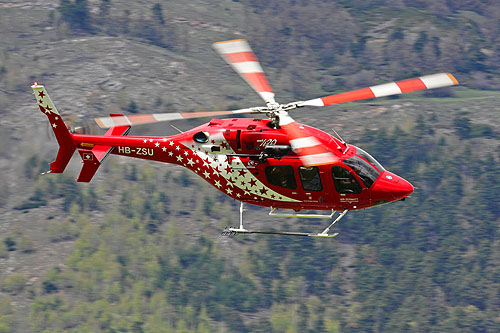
404 188
392 187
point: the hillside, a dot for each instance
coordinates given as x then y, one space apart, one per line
139 249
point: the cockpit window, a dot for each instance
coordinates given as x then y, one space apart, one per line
365 171
344 181
369 158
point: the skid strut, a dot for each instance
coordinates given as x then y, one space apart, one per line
230 231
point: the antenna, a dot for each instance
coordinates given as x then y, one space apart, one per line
342 141
338 146
178 130
338 136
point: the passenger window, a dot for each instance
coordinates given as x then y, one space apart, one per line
309 176
281 175
344 181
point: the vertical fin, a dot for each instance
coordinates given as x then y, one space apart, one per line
64 138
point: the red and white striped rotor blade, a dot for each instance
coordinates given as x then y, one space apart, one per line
141 119
394 88
304 144
240 56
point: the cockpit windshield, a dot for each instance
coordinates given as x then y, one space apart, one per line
364 170
369 158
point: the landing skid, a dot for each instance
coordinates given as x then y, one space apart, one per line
231 231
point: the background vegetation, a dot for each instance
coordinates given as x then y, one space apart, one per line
139 249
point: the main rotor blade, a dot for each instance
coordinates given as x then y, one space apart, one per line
140 119
240 56
394 88
304 144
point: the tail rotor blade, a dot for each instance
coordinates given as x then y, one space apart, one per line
240 56
394 88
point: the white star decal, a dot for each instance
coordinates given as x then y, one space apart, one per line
164 139
171 143
150 140
229 191
157 144
186 153
177 148
190 162
54 125
164 149
170 153
179 158
217 183
206 174
56 118
145 140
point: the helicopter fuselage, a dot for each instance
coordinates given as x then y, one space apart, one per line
251 161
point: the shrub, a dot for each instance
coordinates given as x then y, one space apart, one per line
62 230
4 251
14 283
10 243
25 244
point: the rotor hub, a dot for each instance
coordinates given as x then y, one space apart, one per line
274 106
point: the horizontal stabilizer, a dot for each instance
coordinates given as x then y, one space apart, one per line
90 165
92 159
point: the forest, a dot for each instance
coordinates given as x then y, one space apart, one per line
415 268
143 244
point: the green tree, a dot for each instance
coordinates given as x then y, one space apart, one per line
158 13
76 14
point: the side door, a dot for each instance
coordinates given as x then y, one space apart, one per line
312 184
347 186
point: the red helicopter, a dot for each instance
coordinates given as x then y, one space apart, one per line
273 162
